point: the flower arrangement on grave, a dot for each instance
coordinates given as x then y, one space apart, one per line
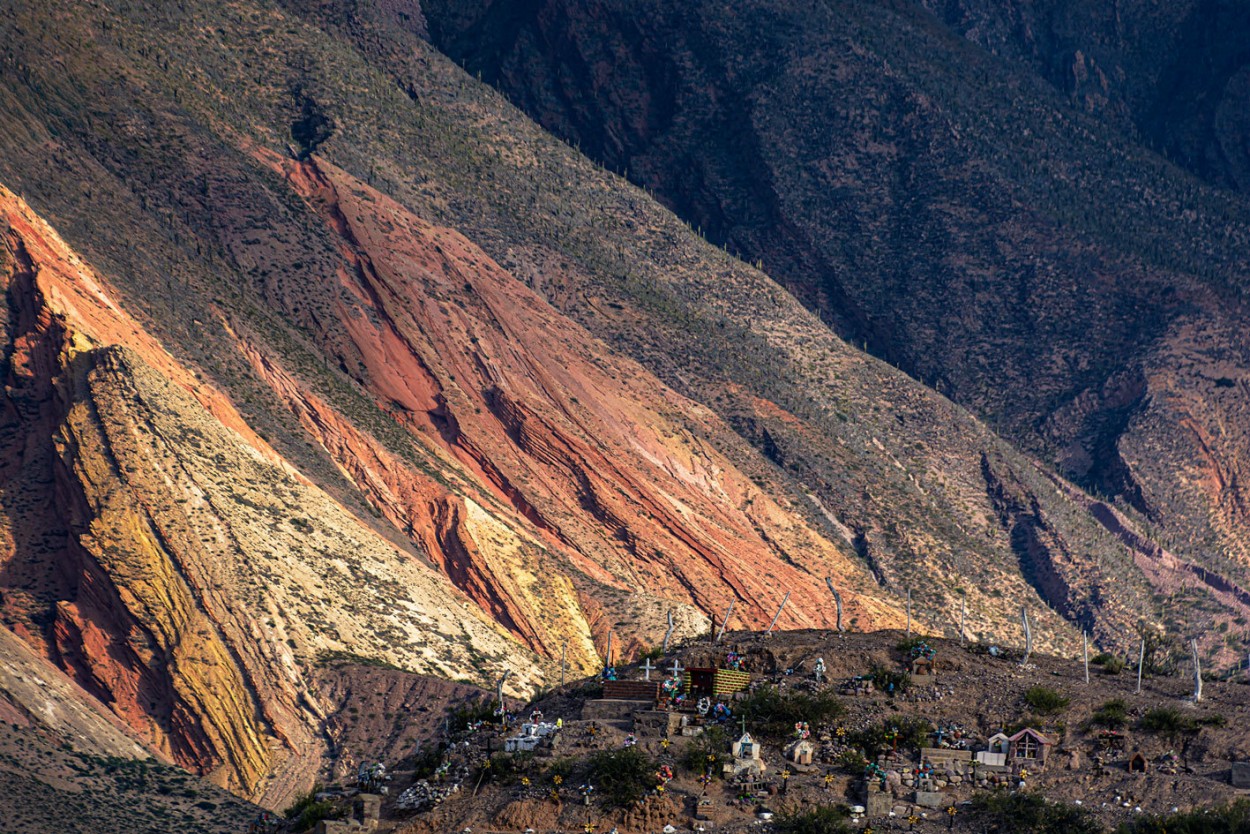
663 775
875 771
801 730
704 706
631 740
609 673
733 661
922 649
586 789
721 713
670 688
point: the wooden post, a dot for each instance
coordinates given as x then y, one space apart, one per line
499 690
837 601
1141 662
963 622
909 613
1193 646
1028 636
607 658
1085 653
778 614
668 634
725 621
563 654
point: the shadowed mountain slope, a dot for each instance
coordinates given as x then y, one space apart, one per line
950 208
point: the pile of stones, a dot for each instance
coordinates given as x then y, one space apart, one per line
423 796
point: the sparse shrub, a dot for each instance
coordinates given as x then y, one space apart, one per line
562 767
1113 715
882 678
1231 819
506 768
823 819
1045 701
307 810
902 732
906 645
1168 721
774 714
426 760
472 712
852 761
622 776
708 752
1029 813
1110 664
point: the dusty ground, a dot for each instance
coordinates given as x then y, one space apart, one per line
47 787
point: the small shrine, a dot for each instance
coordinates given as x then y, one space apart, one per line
995 755
801 751
923 666
1137 763
746 757
1029 747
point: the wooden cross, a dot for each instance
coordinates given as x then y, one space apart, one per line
646 669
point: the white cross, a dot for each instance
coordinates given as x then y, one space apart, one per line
646 669
677 668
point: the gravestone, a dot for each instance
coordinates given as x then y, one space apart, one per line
877 803
1241 775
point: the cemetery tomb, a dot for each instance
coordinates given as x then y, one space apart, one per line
701 682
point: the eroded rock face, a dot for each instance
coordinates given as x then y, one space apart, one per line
197 577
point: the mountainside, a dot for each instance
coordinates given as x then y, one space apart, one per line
973 217
316 349
1174 75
